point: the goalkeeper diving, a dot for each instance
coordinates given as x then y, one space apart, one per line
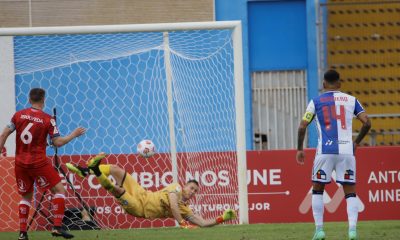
169 202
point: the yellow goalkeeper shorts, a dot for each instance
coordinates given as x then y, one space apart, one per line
133 198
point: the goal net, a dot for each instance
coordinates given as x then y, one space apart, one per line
176 84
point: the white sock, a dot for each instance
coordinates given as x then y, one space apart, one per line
352 212
318 210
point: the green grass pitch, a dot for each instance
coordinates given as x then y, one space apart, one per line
388 230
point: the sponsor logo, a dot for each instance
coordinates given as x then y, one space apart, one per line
21 185
349 175
328 143
321 174
42 181
23 209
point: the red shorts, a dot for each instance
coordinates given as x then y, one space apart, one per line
45 177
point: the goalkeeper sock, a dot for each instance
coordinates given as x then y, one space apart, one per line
23 212
105 182
96 171
58 209
105 169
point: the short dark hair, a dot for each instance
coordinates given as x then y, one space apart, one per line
331 76
37 95
193 181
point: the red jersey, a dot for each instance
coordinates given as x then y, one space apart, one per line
32 127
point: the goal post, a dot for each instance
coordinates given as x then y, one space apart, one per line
179 84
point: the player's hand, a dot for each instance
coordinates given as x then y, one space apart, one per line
229 214
300 157
186 225
79 131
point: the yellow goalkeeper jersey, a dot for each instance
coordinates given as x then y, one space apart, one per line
146 204
156 204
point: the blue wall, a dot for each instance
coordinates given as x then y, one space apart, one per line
277 35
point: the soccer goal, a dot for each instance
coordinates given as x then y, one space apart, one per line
179 84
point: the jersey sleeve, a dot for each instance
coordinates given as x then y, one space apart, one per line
53 130
358 108
11 125
310 112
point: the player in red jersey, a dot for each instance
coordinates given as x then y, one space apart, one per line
32 127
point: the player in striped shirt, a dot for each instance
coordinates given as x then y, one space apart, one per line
333 112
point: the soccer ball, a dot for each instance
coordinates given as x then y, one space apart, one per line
146 148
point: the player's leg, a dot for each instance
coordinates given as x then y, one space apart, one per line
118 173
25 189
23 213
133 196
106 169
346 175
95 167
85 171
127 191
352 209
58 211
47 177
78 170
317 204
321 175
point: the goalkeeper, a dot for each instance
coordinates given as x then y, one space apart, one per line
171 201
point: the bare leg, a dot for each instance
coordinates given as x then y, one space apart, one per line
118 174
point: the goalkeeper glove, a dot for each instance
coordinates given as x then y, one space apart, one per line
185 225
228 214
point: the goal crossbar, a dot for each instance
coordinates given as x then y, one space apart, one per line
151 27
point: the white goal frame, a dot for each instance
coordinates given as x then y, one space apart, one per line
236 28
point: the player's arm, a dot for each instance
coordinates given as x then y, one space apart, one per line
201 222
366 126
173 201
228 214
301 134
62 140
4 135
